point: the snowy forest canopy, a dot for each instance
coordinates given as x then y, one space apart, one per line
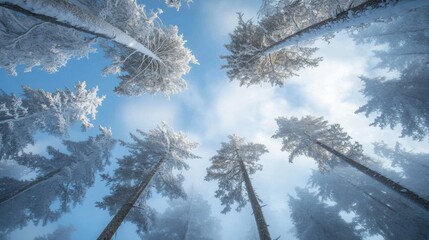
309 118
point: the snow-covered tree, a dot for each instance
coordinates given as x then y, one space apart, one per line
232 167
62 232
152 161
48 112
69 15
274 49
138 72
375 210
46 199
185 219
246 64
299 136
413 167
315 138
404 38
141 214
314 219
32 42
151 58
86 157
402 100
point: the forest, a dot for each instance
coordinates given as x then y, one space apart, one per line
214 119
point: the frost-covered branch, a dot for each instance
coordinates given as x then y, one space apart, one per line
283 38
231 167
295 132
52 113
71 16
151 162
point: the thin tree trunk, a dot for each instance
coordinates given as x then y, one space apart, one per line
351 17
188 220
16 193
369 195
257 210
396 187
116 221
65 14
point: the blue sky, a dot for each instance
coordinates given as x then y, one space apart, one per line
212 108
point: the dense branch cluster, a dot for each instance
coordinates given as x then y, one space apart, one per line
151 58
61 182
32 43
38 110
161 145
226 169
300 137
402 100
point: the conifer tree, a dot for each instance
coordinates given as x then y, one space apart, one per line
315 138
61 183
232 167
279 45
151 162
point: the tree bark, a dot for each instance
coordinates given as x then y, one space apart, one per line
65 14
342 20
116 221
263 232
396 187
14 194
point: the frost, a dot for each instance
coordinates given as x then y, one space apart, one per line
52 113
153 159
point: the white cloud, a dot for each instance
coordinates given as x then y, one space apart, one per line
147 112
332 90
221 16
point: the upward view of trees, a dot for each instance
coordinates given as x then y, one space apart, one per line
352 195
313 137
151 58
275 48
61 182
138 72
314 219
151 161
414 166
71 16
232 167
88 157
403 99
24 42
371 212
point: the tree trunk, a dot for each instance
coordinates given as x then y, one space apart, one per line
188 220
396 187
116 221
257 210
354 16
65 14
14 194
